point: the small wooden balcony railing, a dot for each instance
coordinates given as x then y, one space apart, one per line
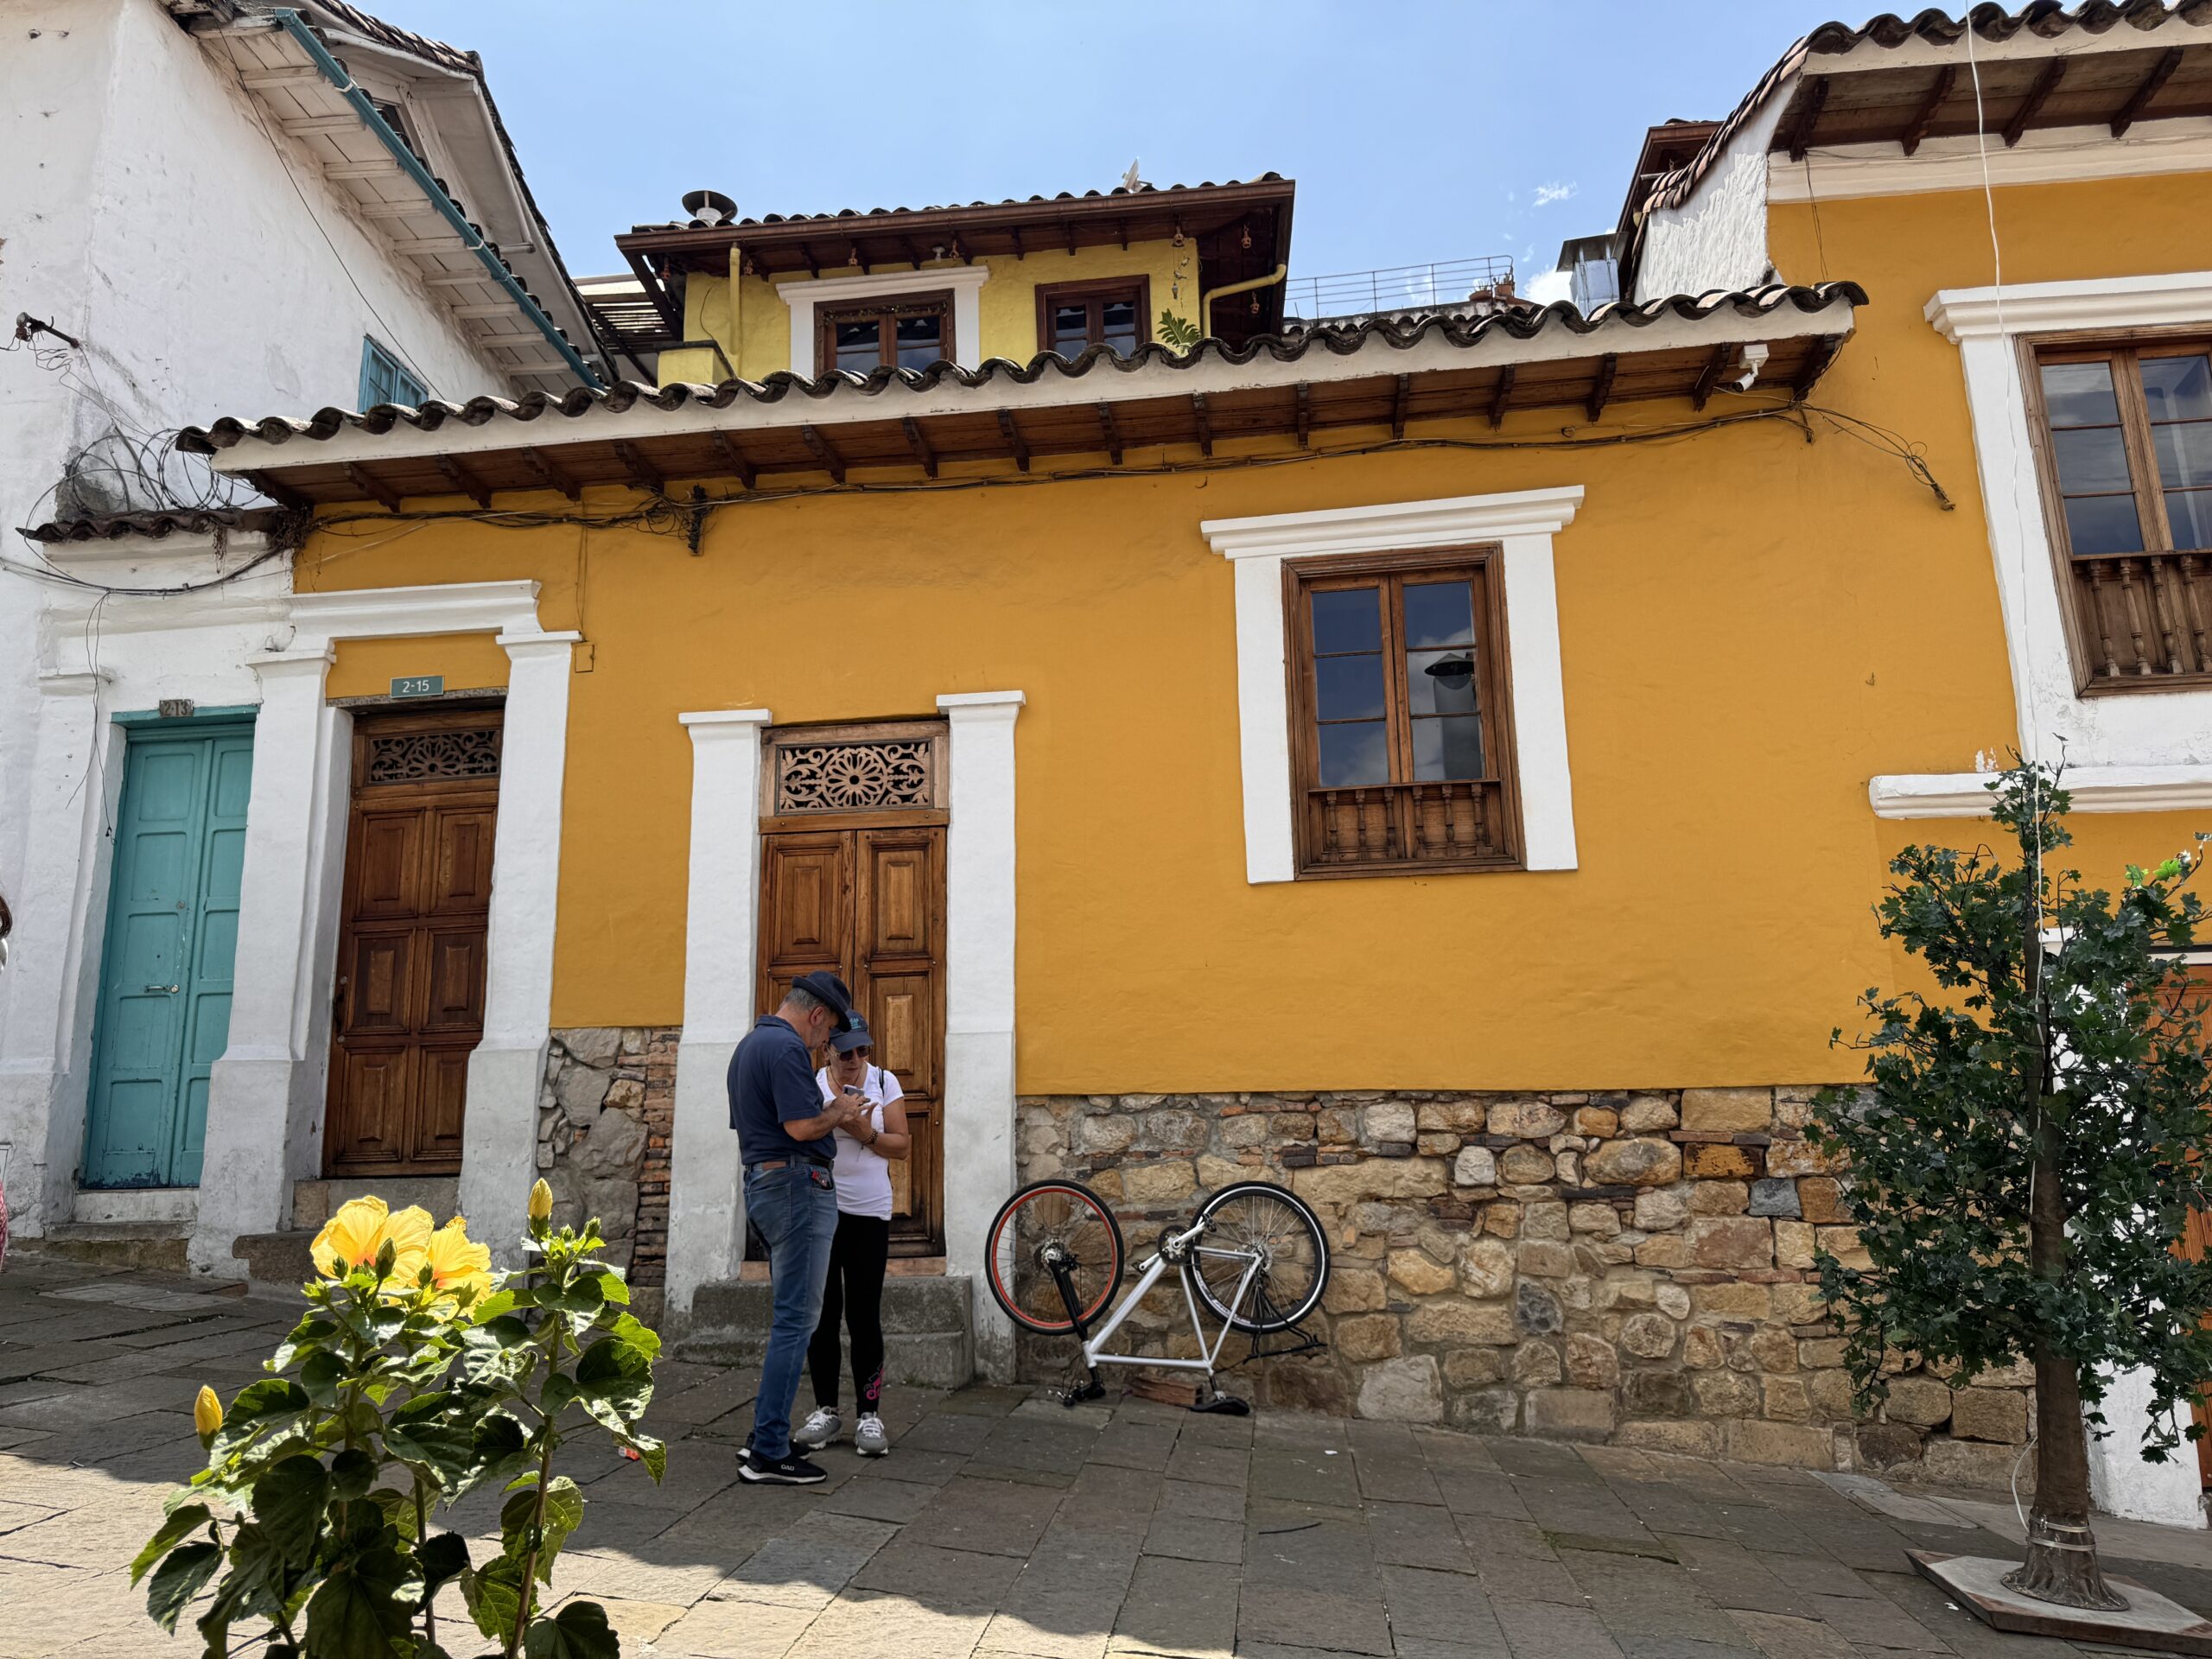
1443 824
2144 617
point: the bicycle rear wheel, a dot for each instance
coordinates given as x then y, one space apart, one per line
1259 1217
1044 1222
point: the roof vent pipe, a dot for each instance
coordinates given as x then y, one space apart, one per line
708 208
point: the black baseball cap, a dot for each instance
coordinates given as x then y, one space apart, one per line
854 1035
830 991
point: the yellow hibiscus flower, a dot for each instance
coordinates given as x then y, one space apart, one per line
458 1264
353 1237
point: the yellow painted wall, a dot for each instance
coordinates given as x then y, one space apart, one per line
366 668
753 324
1752 625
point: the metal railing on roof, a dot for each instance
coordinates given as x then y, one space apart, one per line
1398 288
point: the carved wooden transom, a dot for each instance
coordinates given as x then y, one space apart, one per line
424 756
855 776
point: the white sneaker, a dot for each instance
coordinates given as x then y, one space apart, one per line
821 1429
870 1437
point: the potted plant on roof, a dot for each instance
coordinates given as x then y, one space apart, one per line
418 1376
2036 1127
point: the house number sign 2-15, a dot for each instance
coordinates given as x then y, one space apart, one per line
419 685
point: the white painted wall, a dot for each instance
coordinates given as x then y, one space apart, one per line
1717 239
207 271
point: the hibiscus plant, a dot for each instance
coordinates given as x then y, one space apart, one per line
418 1376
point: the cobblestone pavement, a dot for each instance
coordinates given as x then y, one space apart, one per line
1003 1527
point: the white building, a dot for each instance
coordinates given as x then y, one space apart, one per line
209 204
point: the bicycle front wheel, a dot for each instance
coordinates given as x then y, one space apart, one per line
1267 1230
1044 1224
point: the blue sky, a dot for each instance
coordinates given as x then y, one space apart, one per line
1417 132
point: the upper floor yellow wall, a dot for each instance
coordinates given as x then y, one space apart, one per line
747 318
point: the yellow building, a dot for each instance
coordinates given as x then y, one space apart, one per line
1443 759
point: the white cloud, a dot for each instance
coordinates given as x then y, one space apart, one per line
1548 193
1550 287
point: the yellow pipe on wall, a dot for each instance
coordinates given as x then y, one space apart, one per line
1207 298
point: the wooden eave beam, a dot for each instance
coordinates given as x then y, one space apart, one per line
1205 423
1800 135
1019 252
282 493
1012 434
1924 117
1602 388
1305 415
919 445
552 474
1068 225
1110 432
1399 398
371 485
1709 376
1122 229
1817 364
914 252
813 265
735 457
1503 394
2046 84
832 462
2160 74
641 472
463 480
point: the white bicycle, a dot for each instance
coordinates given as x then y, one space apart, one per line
1253 1256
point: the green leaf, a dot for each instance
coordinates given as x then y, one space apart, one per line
362 1609
288 1503
582 1298
564 1513
579 1631
487 1309
618 1372
304 1337
651 1453
444 1557
352 1472
178 1579
398 1509
612 1289
493 1595
322 1377
271 1397
181 1524
559 1392
631 1329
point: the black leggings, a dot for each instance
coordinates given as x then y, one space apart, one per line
853 1294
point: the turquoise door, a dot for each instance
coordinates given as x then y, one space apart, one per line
165 976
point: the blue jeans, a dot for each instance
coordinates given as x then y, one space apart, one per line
796 1210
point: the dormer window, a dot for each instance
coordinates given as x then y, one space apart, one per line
1072 317
904 332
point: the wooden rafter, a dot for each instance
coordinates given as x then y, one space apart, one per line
919 445
806 257
1019 252
2160 74
283 494
1800 135
642 472
735 457
1400 396
369 485
1602 388
1068 225
1204 422
1709 376
1305 415
2046 84
1110 432
832 462
1817 364
1924 117
1499 398
1012 434
1122 229
463 480
913 253
551 474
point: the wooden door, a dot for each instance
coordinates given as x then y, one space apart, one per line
867 903
408 1006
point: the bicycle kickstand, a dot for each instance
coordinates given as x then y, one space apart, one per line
1093 1389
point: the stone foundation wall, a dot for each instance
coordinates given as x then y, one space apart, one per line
1630 1268
603 1117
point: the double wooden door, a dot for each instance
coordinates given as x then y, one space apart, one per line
867 903
408 1005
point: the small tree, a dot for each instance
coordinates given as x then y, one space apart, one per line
2034 1133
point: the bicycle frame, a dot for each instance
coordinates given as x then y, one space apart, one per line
1094 1354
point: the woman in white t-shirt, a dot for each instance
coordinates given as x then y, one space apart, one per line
853 1294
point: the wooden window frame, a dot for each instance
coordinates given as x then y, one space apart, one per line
886 311
1482 564
1094 293
2175 606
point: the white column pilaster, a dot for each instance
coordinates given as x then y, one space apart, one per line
979 1052
499 1132
258 1099
56 942
706 1195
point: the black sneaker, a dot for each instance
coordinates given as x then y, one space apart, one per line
790 1471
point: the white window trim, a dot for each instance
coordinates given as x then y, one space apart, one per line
2134 730
2093 789
965 282
1522 522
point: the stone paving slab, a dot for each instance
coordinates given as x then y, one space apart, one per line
1003 1527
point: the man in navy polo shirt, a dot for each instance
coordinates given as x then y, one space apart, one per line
783 1141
